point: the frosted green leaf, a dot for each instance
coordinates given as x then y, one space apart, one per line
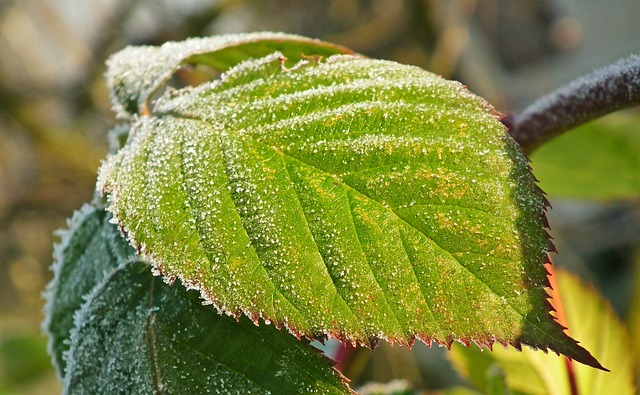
137 335
87 250
136 73
593 322
346 197
114 328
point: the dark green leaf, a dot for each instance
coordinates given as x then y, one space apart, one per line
349 197
87 250
136 334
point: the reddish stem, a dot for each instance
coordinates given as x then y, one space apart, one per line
556 302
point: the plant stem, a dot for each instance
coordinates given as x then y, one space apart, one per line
596 94
562 320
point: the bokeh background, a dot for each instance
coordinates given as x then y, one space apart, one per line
55 112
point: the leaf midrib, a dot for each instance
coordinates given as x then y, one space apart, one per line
150 331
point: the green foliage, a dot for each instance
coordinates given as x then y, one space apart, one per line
136 74
350 197
154 338
599 160
133 333
87 250
308 188
590 320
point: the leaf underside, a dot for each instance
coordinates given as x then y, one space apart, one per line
136 73
345 197
132 333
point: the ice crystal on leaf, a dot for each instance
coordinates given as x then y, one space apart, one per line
333 195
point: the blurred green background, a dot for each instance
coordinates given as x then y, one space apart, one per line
55 112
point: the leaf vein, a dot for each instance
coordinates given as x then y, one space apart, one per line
457 261
152 342
353 221
326 264
424 296
276 287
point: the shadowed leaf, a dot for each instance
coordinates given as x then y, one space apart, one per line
86 251
131 336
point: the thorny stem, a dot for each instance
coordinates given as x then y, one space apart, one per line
601 92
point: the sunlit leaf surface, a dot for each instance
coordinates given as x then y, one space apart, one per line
340 196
